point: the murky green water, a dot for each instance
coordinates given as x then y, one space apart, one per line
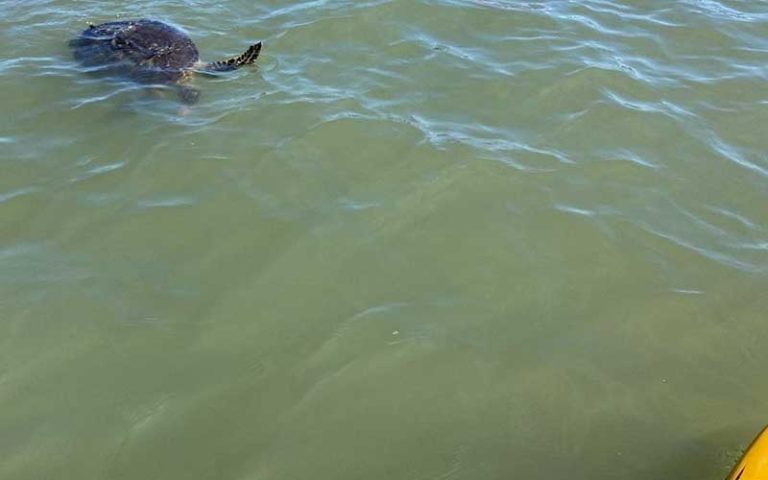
422 240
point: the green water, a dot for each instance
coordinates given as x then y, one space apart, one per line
420 240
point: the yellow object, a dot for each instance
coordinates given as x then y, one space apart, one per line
754 464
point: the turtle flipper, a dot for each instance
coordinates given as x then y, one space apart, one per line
188 95
246 58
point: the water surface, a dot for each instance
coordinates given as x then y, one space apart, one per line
420 240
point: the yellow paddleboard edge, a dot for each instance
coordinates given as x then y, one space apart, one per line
754 464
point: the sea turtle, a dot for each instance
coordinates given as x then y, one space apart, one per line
151 52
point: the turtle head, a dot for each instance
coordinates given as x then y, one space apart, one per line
188 95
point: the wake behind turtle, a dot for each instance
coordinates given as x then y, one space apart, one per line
150 52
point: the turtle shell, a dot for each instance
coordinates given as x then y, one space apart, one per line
148 51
